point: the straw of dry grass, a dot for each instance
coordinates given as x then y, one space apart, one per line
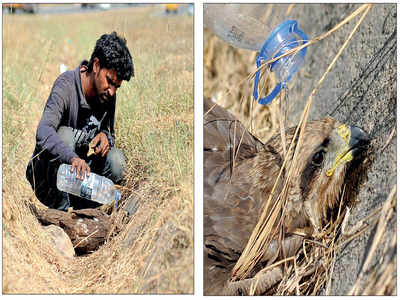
376 283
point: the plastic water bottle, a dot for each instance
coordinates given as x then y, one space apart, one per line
94 187
241 25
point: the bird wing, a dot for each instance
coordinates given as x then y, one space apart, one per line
226 142
232 202
225 138
233 205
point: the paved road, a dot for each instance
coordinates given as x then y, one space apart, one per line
45 9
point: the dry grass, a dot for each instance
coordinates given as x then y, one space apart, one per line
153 251
227 73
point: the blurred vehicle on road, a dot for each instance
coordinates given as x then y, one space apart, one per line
24 7
96 5
88 5
171 8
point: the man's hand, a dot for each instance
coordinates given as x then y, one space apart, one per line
81 167
104 146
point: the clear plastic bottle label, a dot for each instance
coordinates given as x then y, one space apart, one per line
86 190
235 34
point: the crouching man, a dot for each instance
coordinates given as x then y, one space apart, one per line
80 111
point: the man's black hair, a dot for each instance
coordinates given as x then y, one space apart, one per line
112 52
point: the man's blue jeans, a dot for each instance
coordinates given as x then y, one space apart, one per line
42 173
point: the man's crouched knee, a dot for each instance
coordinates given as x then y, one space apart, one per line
116 162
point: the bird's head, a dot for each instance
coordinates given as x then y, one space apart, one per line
327 150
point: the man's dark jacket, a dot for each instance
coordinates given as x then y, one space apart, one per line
63 108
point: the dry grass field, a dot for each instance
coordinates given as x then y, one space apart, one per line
153 251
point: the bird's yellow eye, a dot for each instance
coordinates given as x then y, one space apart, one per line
318 158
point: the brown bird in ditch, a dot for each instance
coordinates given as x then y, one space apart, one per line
239 174
87 228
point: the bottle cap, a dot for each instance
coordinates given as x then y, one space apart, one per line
117 197
281 40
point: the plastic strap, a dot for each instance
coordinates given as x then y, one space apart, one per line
260 58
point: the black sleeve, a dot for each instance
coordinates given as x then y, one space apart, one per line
57 105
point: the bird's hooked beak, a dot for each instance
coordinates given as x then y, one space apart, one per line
355 140
359 139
